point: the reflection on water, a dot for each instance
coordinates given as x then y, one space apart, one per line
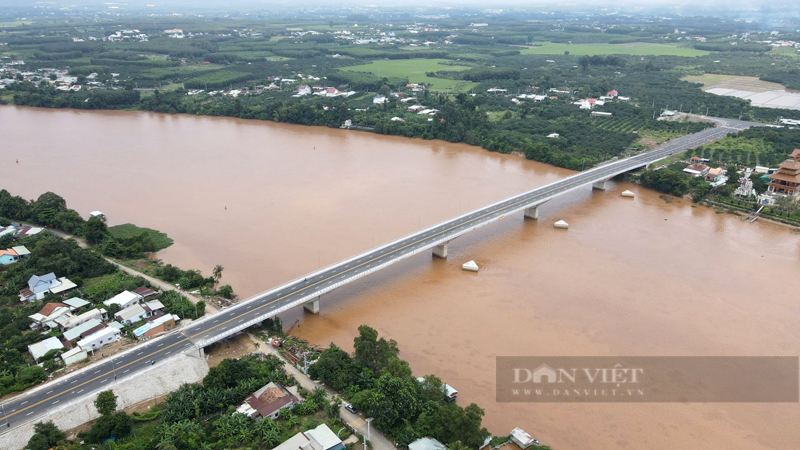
271 202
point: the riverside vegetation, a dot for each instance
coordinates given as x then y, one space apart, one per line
96 278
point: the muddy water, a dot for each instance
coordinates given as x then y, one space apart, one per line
271 202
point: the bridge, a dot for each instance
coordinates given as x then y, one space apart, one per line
307 290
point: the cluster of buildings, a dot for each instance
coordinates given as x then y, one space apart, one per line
14 72
322 91
13 254
84 328
591 103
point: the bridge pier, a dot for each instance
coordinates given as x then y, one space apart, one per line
532 213
312 306
441 250
600 185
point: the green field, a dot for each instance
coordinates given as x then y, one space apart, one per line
414 70
636 48
129 230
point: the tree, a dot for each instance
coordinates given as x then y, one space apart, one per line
106 402
372 352
45 436
95 230
217 273
225 291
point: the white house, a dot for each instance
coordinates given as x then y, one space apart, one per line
77 354
379 99
124 299
521 438
131 314
41 348
304 90
69 322
99 339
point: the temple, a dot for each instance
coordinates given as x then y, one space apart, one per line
787 179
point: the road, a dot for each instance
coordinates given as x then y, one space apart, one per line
229 321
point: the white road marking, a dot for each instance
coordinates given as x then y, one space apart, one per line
24 402
104 381
48 392
29 413
126 370
160 345
80 391
96 371
139 353
56 401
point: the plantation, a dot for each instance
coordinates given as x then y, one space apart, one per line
415 71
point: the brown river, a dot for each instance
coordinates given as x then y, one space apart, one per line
271 202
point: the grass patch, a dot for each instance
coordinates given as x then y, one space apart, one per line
278 58
128 230
97 280
415 70
636 48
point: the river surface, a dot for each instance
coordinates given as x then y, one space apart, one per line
271 202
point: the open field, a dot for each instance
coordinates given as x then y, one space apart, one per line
760 93
415 70
638 48
752 84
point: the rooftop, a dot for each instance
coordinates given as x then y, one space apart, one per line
426 444
41 348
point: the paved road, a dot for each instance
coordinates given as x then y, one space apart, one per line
232 320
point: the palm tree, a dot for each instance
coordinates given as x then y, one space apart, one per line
457 445
217 272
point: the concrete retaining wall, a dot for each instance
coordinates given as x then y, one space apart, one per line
158 380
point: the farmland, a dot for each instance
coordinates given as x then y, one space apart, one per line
415 70
635 49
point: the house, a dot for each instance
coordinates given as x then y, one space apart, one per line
98 214
601 114
156 325
46 316
145 292
379 99
426 444
64 286
449 392
77 354
74 333
332 92
124 299
612 94
8 256
553 135
668 113
76 303
267 402
319 438
414 108
153 307
714 174
521 438
623 99
132 314
697 169
397 119
38 286
304 90
70 322
41 348
99 339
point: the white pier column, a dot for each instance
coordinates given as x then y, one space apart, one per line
532 212
600 185
312 306
441 250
